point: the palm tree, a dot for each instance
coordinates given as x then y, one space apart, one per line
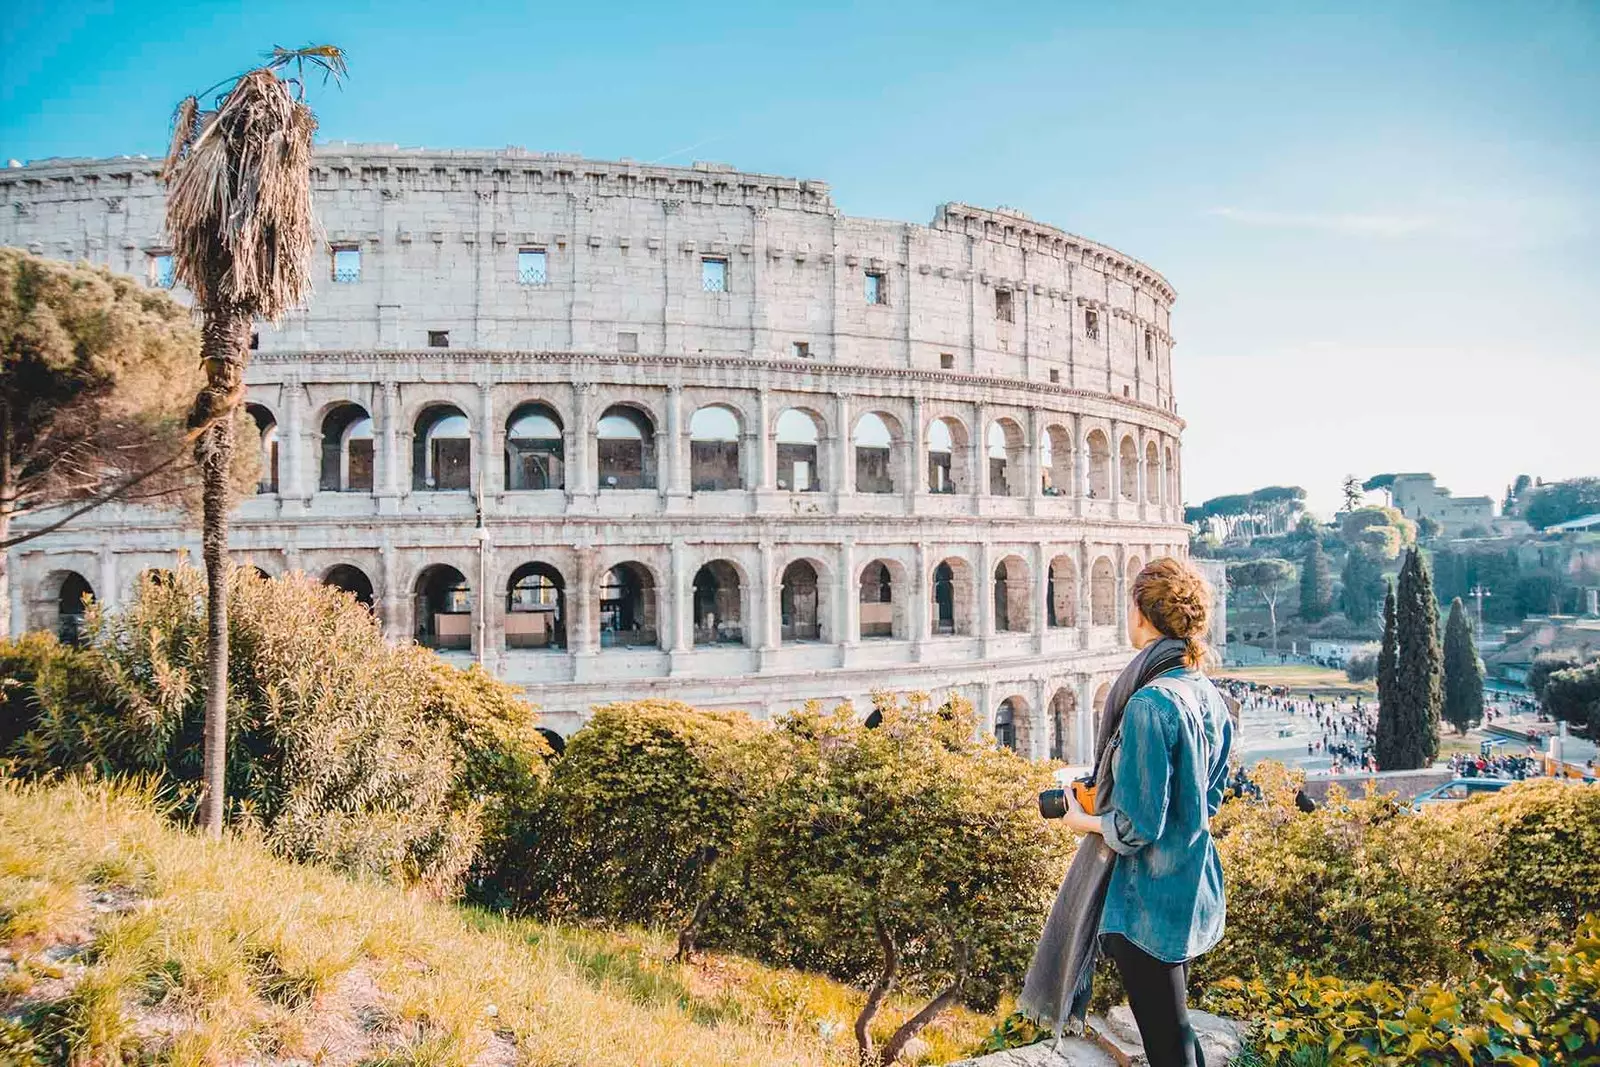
239 213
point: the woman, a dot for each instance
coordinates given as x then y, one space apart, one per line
1164 739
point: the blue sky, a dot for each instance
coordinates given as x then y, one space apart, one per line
1382 219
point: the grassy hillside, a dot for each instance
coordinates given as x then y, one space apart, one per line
122 938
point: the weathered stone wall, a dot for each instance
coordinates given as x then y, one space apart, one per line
1066 452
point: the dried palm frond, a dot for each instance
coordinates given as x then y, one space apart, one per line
239 190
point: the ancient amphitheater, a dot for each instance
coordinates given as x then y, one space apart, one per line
617 430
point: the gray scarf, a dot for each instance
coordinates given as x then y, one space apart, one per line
1060 980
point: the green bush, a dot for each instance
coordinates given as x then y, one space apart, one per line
1362 889
1517 1005
345 749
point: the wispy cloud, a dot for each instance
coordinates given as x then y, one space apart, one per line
1354 224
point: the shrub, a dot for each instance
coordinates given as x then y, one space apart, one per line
1362 889
377 759
21 662
1518 1005
642 813
1362 664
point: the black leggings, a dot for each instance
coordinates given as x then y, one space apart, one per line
1158 995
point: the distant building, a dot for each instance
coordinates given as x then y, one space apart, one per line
1419 496
1539 634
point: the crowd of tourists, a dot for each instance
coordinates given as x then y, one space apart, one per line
1344 732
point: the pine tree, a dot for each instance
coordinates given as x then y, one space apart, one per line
1418 670
1388 689
1316 583
1463 672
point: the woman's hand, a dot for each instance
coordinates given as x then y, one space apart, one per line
1076 818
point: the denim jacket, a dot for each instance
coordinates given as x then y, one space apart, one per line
1171 762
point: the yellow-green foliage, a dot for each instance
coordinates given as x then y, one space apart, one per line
344 748
1361 889
191 951
1518 1006
646 802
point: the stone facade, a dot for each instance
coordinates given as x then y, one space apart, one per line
699 434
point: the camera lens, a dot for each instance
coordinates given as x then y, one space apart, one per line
1053 803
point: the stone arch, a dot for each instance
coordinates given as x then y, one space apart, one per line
799 433
1056 475
352 580
1011 596
1004 445
535 452
58 605
1063 717
441 449
949 452
625 448
1103 593
1128 469
716 433
951 595
802 614
443 607
536 607
719 592
882 592
347 462
1152 474
877 441
1099 449
1131 568
628 616
1011 725
267 430
1061 593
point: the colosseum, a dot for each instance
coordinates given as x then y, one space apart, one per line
617 430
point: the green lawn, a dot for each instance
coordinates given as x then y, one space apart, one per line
1302 679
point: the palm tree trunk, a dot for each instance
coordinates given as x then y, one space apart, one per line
224 348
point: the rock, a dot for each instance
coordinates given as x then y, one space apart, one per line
1114 1042
1072 1052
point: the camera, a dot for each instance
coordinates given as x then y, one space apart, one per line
1053 802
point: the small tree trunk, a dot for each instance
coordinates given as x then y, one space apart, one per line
691 929
1272 617
930 1011
224 348
875 995
8 504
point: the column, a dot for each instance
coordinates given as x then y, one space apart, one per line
291 444
1122 595
1143 490
1116 470
389 461
983 587
844 482
980 450
680 603
581 471
919 615
916 461
1080 466
849 612
106 591
1087 727
491 471
670 453
1033 479
1038 604
1085 593
766 598
765 467
392 611
583 596
1039 734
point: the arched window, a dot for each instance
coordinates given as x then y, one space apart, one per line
1061 593
352 580
72 594
346 450
1063 725
798 615
1004 446
947 457
536 607
1099 466
799 470
874 445
535 452
626 456
443 608
718 613
1173 496
714 450
1055 462
267 427
877 600
952 598
1102 593
1129 472
441 451
1011 596
1152 474
627 607
1005 723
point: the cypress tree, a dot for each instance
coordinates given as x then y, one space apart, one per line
1419 666
1316 583
1388 692
1463 672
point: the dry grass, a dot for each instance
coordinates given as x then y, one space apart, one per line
121 936
1302 679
